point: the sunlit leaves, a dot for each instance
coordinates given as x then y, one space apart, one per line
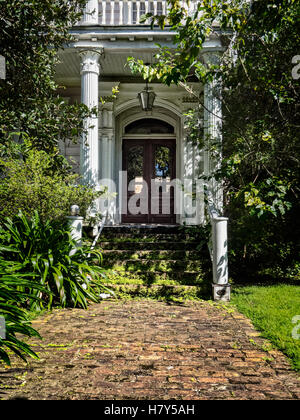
30 181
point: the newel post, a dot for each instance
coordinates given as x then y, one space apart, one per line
75 223
221 287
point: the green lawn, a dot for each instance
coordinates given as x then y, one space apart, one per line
271 309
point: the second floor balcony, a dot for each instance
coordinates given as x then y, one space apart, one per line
123 12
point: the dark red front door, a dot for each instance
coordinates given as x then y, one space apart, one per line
148 196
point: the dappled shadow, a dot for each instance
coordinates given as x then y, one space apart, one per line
11 379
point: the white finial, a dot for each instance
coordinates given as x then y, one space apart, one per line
74 210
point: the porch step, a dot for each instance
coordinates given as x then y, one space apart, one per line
166 292
143 246
146 237
133 229
164 266
187 278
156 261
154 254
148 234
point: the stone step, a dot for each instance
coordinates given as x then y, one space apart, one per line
154 265
117 254
164 246
142 229
162 233
156 261
120 237
121 276
165 292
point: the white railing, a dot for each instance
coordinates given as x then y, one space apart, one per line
128 12
124 12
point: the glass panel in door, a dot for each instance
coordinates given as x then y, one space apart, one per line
162 192
135 191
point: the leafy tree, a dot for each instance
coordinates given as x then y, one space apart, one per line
31 34
260 96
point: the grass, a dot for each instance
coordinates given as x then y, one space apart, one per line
272 310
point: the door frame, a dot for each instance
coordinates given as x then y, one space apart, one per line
130 111
152 138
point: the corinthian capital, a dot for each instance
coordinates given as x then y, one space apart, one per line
90 61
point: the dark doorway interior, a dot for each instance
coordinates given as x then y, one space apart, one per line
151 166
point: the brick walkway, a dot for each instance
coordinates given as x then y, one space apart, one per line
150 350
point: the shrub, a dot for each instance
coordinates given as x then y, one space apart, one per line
13 285
32 183
70 276
264 249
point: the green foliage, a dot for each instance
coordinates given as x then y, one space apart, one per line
31 34
13 284
264 249
31 183
70 276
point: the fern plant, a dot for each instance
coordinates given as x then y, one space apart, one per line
70 276
13 299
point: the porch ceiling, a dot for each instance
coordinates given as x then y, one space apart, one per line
113 66
117 45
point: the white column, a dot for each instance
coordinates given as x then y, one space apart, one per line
91 13
107 154
108 201
106 135
193 169
213 132
105 157
89 152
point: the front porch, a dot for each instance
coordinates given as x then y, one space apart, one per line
95 63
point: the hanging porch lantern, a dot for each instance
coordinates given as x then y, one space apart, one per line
146 98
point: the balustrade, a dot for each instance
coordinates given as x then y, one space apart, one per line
128 12
123 12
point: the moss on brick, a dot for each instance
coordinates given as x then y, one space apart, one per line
161 292
157 263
